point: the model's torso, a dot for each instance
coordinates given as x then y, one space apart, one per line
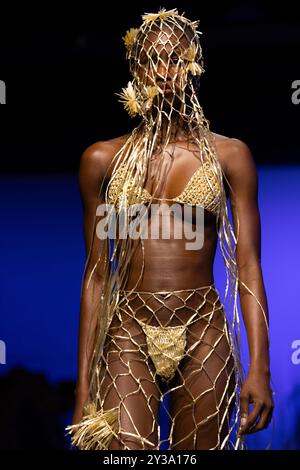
168 262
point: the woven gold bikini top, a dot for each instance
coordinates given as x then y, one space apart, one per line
202 190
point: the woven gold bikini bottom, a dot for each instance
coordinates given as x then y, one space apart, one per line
166 347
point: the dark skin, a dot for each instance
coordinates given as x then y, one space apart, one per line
185 268
237 162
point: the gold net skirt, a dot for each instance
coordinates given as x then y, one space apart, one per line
164 346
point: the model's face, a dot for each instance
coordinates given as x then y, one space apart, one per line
159 59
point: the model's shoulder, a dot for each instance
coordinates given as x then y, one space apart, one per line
233 152
95 161
231 143
101 153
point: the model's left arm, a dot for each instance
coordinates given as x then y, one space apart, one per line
242 175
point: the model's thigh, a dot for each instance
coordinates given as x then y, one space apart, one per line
127 382
202 402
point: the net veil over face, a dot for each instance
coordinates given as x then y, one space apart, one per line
147 346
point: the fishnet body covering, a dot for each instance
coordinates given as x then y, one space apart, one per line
178 344
168 343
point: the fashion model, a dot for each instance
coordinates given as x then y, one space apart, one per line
154 333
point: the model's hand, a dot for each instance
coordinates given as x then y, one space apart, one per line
256 390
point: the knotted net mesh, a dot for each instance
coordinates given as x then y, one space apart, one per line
148 345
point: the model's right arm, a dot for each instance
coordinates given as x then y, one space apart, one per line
91 173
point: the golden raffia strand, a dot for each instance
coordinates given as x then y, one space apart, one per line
129 100
161 15
130 37
96 430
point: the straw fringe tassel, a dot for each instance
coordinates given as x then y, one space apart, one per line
96 430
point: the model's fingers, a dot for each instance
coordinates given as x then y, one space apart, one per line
253 416
244 403
264 420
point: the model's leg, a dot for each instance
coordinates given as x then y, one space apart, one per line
202 403
127 382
